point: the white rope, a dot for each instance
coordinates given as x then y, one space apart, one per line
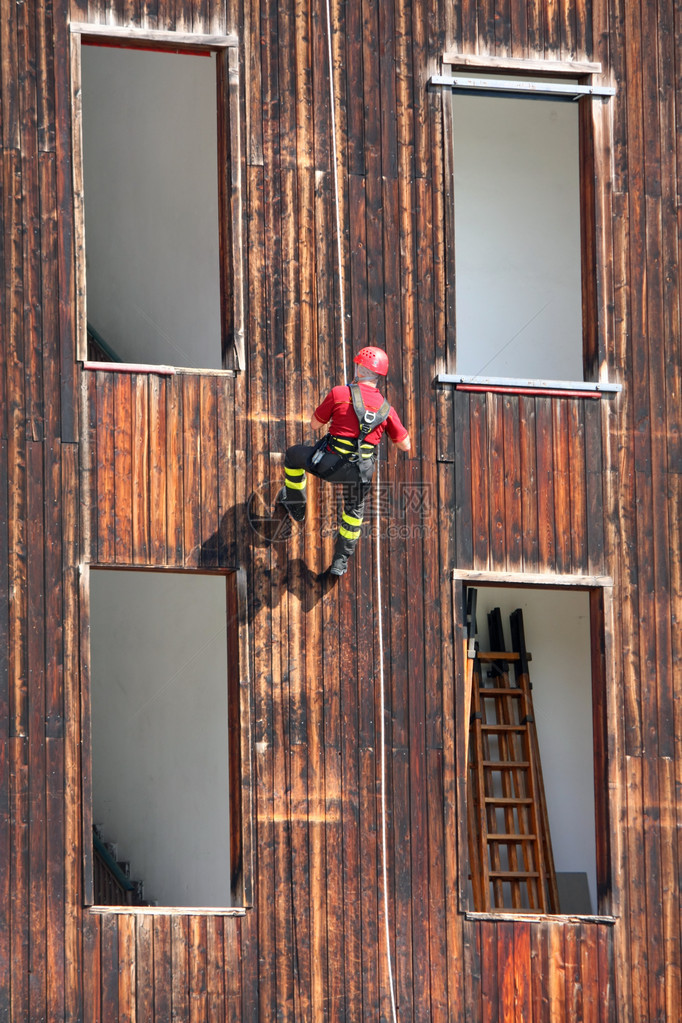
342 308
382 684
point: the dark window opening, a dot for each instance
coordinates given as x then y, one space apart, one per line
158 200
564 637
164 698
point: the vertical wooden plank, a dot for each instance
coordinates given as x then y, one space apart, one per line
519 28
73 810
545 489
606 976
373 943
438 838
561 480
67 305
4 595
574 984
637 873
180 980
227 473
32 312
191 461
140 469
589 973
577 485
490 986
126 441
143 991
9 80
86 734
127 969
513 512
656 945
472 971
405 951
55 971
480 486
496 469
162 973
350 782
232 956
419 890
198 1002
462 455
16 452
506 955
523 968
20 877
92 968
503 27
89 468
539 950
45 77
528 475
552 29
158 537
209 472
594 488
306 824
37 775
110 967
105 469
282 830
53 590
174 468
215 970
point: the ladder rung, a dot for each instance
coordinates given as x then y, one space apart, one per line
499 691
496 655
506 765
503 728
508 800
511 838
512 875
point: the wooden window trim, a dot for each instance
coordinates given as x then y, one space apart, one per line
519 65
230 202
607 735
239 751
594 126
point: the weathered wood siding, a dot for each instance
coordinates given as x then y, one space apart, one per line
156 471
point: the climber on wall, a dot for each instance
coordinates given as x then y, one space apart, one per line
359 415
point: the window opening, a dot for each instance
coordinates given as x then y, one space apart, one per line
161 765
151 206
560 642
518 290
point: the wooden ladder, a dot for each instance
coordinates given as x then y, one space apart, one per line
512 867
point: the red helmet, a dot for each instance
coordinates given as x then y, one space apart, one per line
375 359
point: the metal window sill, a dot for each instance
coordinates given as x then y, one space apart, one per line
531 387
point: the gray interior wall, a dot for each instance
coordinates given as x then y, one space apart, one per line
159 730
517 238
557 628
151 205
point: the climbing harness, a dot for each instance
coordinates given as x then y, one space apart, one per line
357 451
368 420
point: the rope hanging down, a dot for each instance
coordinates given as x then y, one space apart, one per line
380 631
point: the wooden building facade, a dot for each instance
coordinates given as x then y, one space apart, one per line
163 469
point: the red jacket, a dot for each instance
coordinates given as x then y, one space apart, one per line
338 407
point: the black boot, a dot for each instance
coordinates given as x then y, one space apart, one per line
339 565
295 510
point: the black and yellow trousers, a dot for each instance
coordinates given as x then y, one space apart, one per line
335 468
